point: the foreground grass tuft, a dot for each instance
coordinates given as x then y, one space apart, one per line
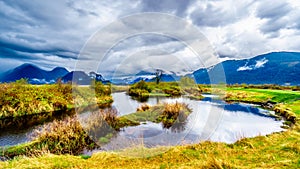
59 137
174 113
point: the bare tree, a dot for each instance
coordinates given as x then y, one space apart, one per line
158 75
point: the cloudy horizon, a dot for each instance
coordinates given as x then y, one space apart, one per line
53 33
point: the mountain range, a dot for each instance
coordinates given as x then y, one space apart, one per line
281 68
36 75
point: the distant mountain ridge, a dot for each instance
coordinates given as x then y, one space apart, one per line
281 68
36 75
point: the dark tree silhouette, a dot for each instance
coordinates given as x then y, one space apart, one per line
96 76
158 75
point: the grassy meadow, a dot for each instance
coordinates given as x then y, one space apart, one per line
51 150
285 103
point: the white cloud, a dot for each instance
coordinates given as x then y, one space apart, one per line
258 64
243 68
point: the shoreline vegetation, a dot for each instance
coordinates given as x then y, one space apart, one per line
277 150
22 104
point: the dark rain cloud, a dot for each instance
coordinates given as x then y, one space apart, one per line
20 48
10 53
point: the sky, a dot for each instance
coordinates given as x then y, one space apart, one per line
63 33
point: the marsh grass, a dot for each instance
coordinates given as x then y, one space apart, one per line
140 90
174 113
143 107
64 137
97 94
266 86
21 101
24 99
59 137
101 124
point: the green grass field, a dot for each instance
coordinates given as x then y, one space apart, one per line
289 98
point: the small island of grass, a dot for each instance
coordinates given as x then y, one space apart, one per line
166 113
143 90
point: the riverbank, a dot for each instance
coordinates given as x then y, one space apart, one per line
24 104
285 103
